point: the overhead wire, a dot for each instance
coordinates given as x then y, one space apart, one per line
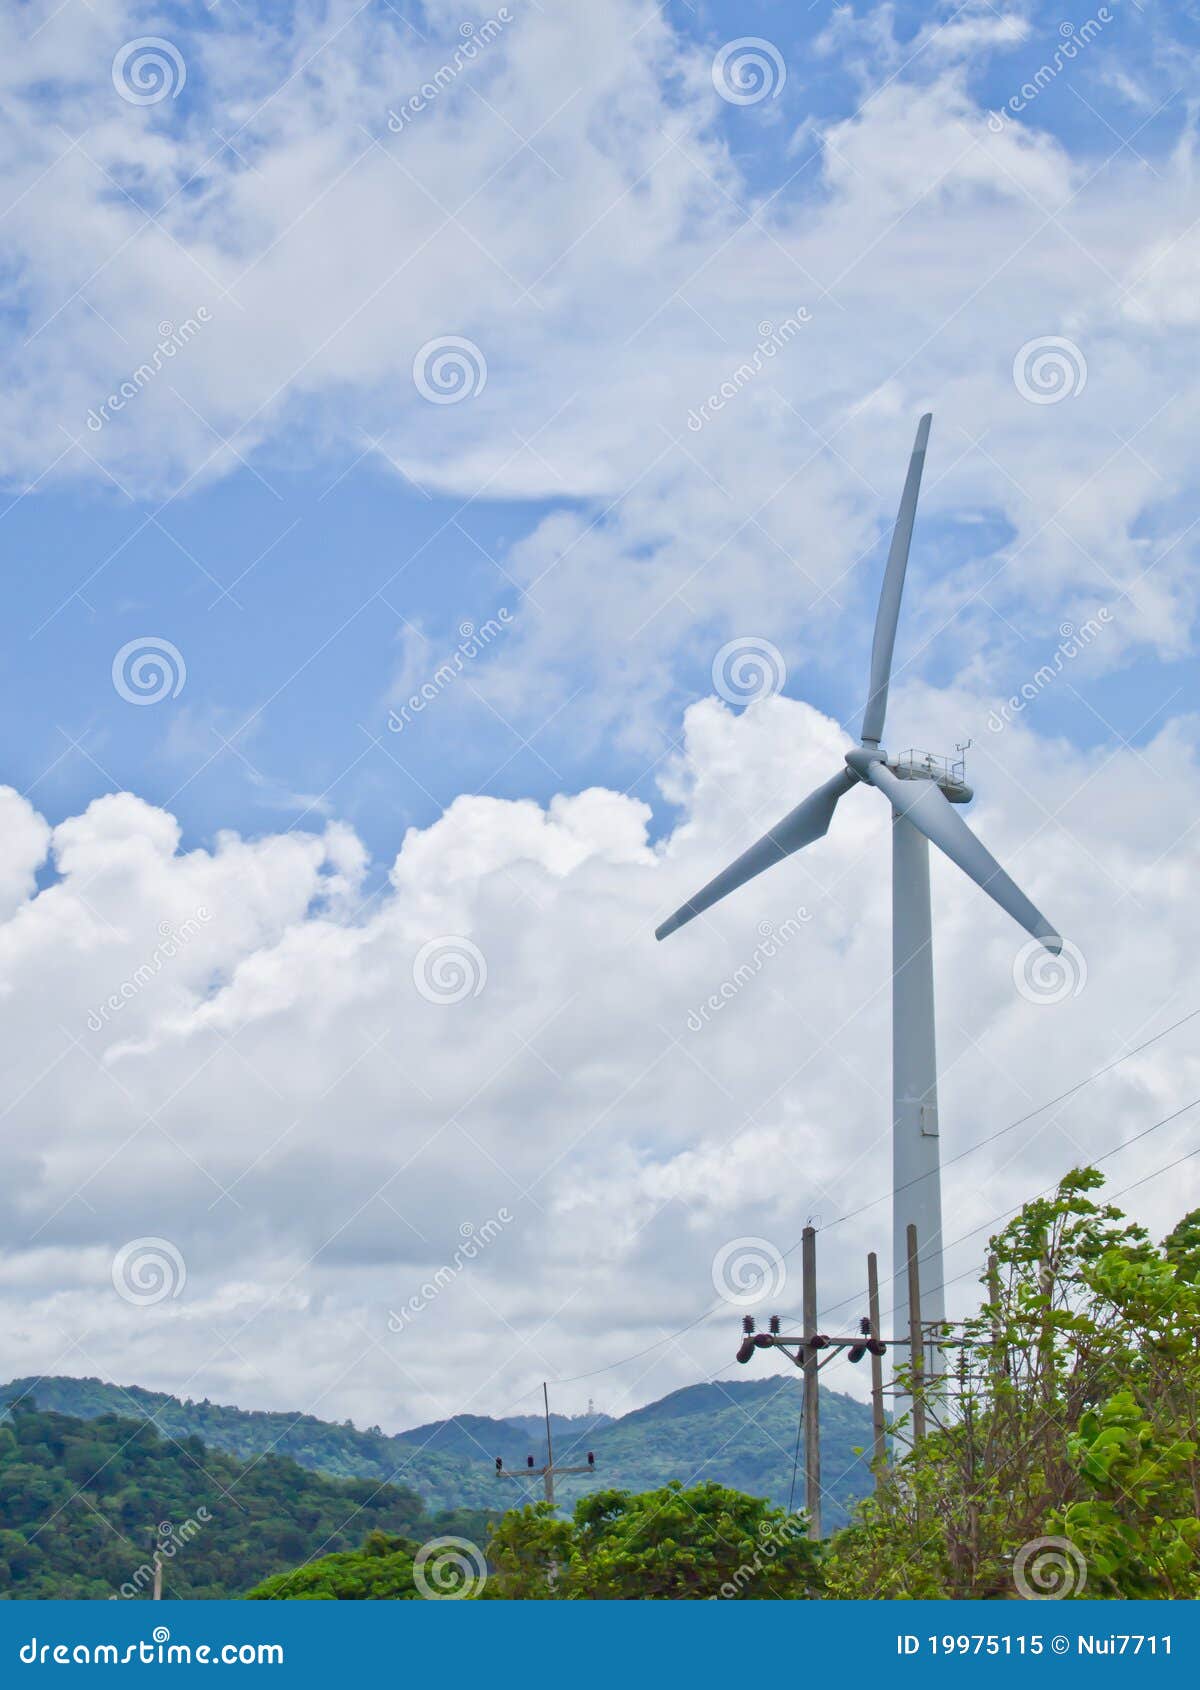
1022 1120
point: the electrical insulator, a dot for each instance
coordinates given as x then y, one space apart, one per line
591 1459
529 1461
858 1351
747 1323
499 1464
774 1324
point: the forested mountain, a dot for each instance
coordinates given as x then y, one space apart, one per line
85 1504
341 1451
739 1432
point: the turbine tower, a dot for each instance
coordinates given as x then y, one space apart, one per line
922 790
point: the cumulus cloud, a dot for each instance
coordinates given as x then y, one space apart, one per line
315 1079
573 203
222 1050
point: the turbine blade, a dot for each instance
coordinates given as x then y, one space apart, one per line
888 614
808 821
929 810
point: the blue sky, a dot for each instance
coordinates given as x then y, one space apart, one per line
285 580
605 351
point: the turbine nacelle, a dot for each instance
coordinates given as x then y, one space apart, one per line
913 765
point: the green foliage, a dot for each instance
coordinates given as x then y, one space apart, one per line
381 1571
739 1432
84 1504
1130 1530
443 1480
668 1544
1068 1408
1070 1411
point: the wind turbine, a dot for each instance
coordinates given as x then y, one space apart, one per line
922 790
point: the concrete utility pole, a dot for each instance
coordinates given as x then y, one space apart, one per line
916 1343
878 1419
811 1350
812 1389
548 1472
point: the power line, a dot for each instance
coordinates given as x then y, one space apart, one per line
1012 1125
970 1150
1053 1186
795 1457
638 1354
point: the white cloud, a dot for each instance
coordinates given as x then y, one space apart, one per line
276 1095
281 1102
615 271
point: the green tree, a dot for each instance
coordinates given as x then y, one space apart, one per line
381 1571
86 1504
1069 1410
672 1543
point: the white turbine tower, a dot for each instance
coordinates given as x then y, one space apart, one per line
921 790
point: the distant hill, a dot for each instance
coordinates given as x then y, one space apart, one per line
476 1437
342 1451
740 1432
85 1503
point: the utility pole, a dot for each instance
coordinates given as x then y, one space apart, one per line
916 1338
812 1400
878 1423
813 1350
549 1471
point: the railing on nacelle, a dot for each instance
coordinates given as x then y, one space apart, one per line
916 765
